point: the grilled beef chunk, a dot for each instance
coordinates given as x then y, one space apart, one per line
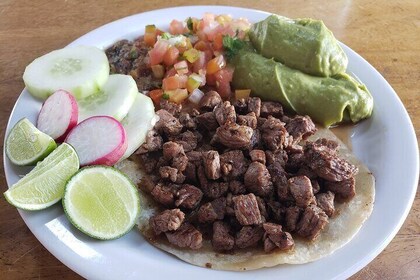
207 120
327 164
254 105
234 136
211 163
279 156
344 190
211 189
274 134
306 171
241 106
233 164
258 156
276 238
148 162
212 211
263 208
191 173
258 180
277 212
261 121
166 221
269 108
301 189
248 236
165 194
255 142
246 209
148 182
153 142
237 187
330 144
300 127
224 112
210 100
222 240
175 152
292 217
167 123
295 161
187 139
187 236
325 201
248 120
194 157
187 121
188 196
173 108
315 186
312 222
167 172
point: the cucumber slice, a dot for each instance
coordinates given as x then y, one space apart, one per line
81 70
139 120
115 99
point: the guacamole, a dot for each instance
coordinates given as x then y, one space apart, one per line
303 44
327 100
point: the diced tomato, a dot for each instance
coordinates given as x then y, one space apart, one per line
174 82
157 53
216 64
201 46
171 72
211 80
218 42
156 95
200 63
223 79
171 56
176 27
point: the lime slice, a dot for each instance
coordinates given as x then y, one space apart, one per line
101 202
26 145
44 185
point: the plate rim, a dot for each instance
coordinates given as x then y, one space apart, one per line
351 269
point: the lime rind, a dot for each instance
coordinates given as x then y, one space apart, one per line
83 197
26 145
45 184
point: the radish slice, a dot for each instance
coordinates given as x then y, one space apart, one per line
139 120
58 115
115 99
98 140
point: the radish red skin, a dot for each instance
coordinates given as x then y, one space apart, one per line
50 114
94 132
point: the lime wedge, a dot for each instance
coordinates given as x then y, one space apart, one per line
44 185
101 202
26 145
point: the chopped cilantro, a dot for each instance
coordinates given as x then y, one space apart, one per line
166 36
165 96
232 46
190 24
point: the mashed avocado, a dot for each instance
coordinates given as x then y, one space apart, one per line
303 44
328 100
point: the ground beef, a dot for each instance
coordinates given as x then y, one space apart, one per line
246 209
167 220
222 240
187 236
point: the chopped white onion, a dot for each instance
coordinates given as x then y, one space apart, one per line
196 96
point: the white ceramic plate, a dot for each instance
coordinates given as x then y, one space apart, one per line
386 143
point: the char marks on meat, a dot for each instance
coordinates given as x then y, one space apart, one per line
187 236
238 175
168 220
246 209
